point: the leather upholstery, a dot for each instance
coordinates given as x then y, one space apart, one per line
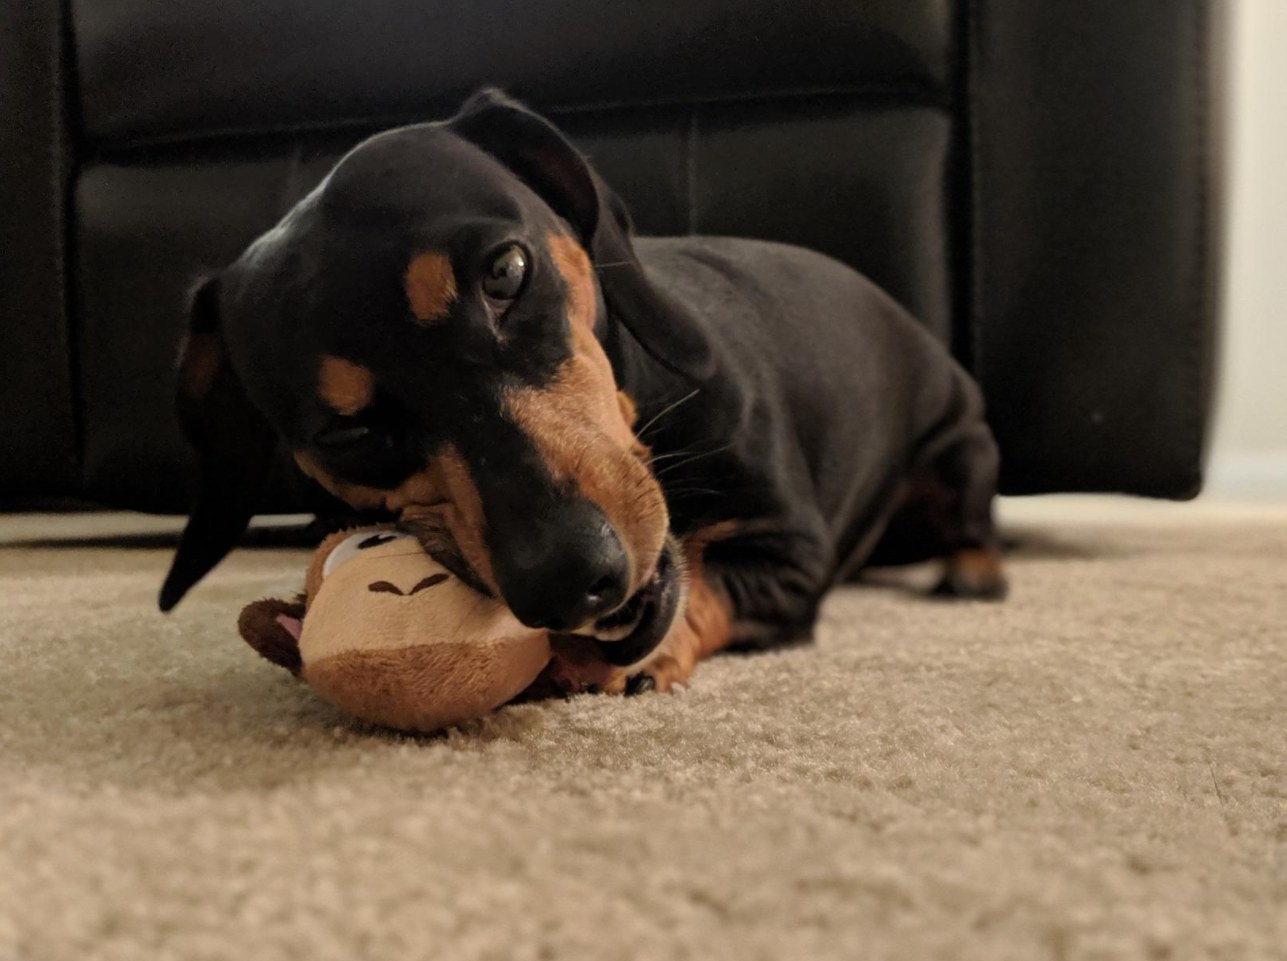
37 423
161 68
1032 178
1093 269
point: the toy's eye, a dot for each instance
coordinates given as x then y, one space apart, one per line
358 542
504 276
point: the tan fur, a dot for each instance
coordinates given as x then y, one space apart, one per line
448 498
573 264
704 626
440 500
431 286
976 571
582 428
346 386
629 412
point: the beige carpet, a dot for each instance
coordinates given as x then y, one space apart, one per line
1096 769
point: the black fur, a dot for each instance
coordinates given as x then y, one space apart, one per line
778 389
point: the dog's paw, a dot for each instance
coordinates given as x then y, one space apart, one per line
662 674
974 574
575 669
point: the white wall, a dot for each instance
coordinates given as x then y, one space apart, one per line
1249 453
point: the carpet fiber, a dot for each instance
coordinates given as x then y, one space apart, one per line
1095 769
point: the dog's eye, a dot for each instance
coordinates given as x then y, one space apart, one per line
505 274
347 435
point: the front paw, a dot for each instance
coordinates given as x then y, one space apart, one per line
662 674
575 669
974 574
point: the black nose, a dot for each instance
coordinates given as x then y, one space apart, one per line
561 566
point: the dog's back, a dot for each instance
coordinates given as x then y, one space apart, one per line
845 388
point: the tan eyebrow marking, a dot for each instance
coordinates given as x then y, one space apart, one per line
346 386
430 285
573 264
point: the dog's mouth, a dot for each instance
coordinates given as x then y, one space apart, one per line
633 630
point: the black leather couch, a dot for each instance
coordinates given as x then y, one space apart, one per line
1033 178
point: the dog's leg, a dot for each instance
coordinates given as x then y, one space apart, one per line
746 591
702 628
946 513
972 565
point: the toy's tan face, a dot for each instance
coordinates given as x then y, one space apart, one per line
393 637
389 556
378 589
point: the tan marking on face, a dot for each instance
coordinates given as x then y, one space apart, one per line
582 429
439 504
573 264
203 355
346 386
703 537
629 412
431 286
447 499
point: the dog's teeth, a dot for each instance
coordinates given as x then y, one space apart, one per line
614 634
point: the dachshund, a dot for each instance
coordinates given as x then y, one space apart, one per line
657 448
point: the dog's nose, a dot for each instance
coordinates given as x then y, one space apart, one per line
566 569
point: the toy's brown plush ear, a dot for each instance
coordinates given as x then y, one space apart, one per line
272 628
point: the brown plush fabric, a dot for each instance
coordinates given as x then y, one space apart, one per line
1094 769
416 688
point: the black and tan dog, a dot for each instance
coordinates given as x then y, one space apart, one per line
663 447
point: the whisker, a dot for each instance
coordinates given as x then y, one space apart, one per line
685 491
684 463
671 455
666 410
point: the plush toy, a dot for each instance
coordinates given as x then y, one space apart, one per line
387 634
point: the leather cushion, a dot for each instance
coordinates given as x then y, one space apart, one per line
148 228
175 68
37 424
1094 262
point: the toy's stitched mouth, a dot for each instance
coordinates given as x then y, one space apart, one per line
633 631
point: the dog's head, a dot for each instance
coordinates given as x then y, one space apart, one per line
424 334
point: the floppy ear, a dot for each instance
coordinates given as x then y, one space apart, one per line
233 442
272 628
542 157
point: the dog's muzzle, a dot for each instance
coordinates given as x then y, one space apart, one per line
633 631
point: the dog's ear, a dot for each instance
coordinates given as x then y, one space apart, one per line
233 443
272 627
542 157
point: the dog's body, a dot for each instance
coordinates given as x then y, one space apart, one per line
828 404
458 328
